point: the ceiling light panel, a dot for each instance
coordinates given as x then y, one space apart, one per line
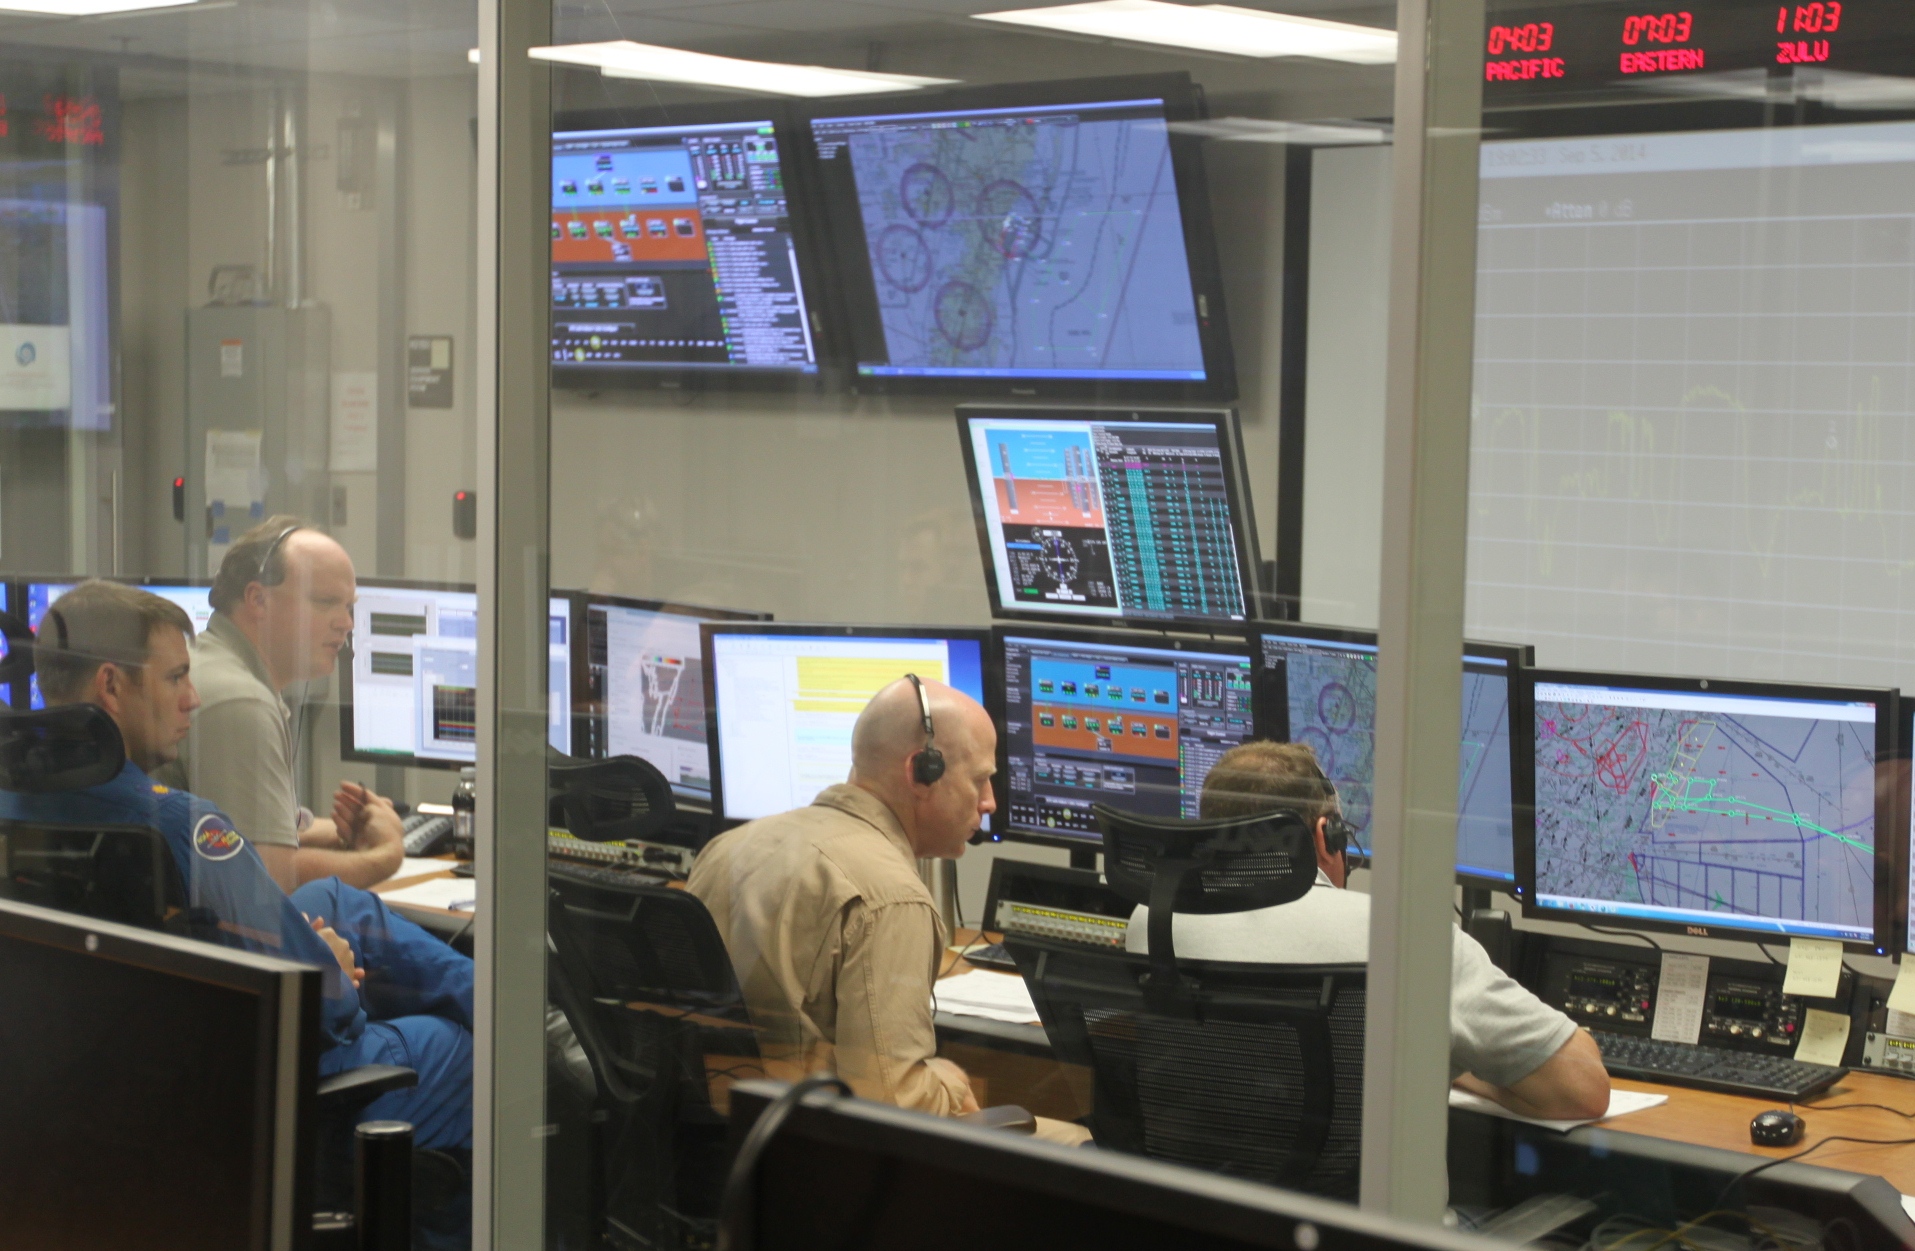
1221 28
625 59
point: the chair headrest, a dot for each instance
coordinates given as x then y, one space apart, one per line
68 748
1227 864
619 798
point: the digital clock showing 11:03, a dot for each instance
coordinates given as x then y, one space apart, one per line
1534 48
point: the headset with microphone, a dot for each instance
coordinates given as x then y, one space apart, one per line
928 765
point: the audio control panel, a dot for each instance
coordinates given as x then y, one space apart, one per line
1604 988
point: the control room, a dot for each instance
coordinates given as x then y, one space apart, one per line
680 624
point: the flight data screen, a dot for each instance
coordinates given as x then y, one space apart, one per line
1033 242
647 690
786 704
672 247
1113 519
415 685
1125 724
1743 812
1323 692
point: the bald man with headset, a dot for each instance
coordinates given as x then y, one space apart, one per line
282 610
835 937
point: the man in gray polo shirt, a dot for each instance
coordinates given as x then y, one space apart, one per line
282 610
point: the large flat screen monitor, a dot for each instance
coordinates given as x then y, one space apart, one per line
37 597
1030 239
674 250
410 694
1130 720
1111 516
1317 685
643 687
783 699
1725 809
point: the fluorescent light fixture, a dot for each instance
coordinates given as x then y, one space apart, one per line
86 8
472 55
624 59
1211 28
1302 134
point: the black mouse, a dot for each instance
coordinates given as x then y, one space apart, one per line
1776 1128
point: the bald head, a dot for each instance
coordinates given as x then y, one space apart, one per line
299 613
890 731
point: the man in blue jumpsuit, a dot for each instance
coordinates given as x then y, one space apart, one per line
393 993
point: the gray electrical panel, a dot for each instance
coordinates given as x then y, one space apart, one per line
258 422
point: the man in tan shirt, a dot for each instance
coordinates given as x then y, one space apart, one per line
835 937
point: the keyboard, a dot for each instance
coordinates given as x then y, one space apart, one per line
592 875
1712 1068
992 956
427 835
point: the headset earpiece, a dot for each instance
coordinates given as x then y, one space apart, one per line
928 765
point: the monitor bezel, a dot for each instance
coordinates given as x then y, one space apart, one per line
990 676
1001 830
1224 421
351 754
846 251
814 268
1517 656
584 708
1887 719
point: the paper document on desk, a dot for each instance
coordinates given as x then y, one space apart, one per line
459 894
982 993
419 867
1621 1102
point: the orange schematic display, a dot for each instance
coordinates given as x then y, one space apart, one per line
673 250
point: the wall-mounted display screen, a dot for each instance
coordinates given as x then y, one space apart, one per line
1117 515
1027 237
673 249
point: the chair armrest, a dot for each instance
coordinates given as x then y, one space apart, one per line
356 1087
1004 1116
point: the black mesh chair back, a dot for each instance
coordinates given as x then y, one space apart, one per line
68 748
612 800
1253 1070
644 978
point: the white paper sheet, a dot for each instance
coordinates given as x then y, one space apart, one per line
419 867
1679 995
460 894
993 996
1621 1103
1815 968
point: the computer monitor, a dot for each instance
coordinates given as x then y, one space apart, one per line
410 694
1317 685
783 699
154 1088
1709 807
675 251
37 597
1111 515
642 687
1126 719
1046 239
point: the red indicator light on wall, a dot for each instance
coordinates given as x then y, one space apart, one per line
465 514
179 499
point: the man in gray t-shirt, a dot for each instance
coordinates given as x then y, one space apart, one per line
1505 1043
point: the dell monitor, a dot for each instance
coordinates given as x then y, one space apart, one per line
644 687
1717 808
1317 685
674 251
410 693
783 699
1032 239
1130 720
1111 516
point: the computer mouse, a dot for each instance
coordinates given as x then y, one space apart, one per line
1776 1128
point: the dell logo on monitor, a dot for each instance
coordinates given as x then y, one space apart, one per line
1698 931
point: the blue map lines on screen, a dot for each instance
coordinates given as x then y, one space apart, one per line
1333 709
1483 806
1748 820
1042 244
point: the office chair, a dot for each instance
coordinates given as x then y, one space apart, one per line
127 874
644 977
603 801
1251 1070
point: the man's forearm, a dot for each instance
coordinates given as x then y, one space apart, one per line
362 868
